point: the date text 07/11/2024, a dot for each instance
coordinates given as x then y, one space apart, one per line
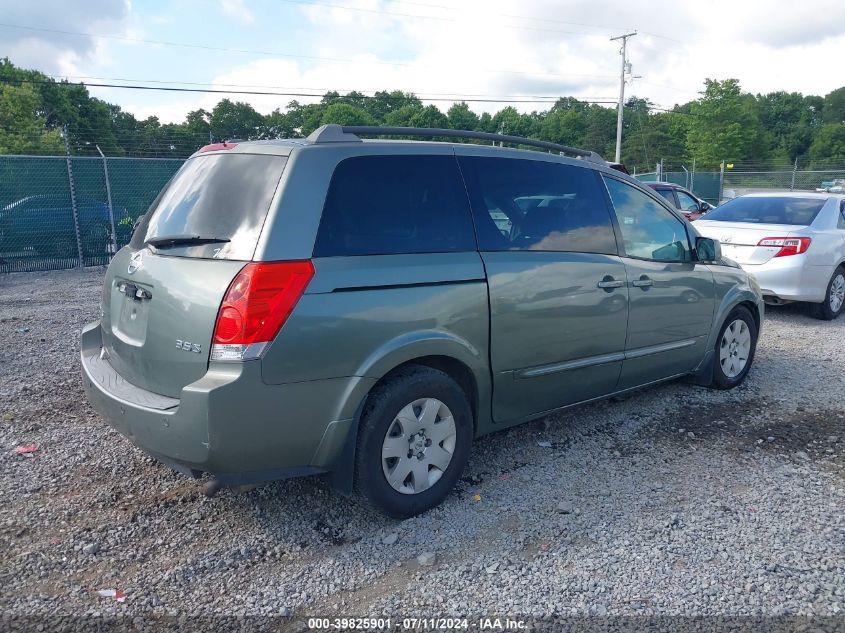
417 624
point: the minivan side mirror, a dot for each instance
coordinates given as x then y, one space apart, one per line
708 249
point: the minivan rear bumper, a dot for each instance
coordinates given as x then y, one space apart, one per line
229 423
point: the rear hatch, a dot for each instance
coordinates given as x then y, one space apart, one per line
740 241
162 293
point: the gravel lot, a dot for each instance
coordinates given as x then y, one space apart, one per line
676 501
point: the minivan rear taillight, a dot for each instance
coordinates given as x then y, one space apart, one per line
788 245
256 305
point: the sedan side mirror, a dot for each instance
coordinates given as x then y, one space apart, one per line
708 249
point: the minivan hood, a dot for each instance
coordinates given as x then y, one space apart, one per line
159 314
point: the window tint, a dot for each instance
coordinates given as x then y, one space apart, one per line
382 205
686 202
648 230
537 205
224 196
769 210
670 197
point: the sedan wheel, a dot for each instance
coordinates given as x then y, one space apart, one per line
837 292
834 299
418 446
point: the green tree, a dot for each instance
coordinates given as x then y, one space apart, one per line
460 117
429 116
383 103
509 121
404 116
235 120
828 145
834 106
346 114
724 125
21 129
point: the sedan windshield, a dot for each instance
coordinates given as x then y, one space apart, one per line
769 210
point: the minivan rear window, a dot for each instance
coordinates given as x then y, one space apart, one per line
387 205
769 210
214 207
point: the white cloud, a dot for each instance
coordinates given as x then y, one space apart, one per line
540 47
54 50
237 10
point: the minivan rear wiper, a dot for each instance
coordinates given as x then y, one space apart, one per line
184 240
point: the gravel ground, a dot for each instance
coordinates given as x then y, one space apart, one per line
675 501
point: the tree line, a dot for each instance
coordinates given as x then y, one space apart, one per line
724 123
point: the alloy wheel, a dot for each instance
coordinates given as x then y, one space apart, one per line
837 292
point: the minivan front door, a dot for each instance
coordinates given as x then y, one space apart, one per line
671 296
558 290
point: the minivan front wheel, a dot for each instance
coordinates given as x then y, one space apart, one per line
834 299
413 441
735 347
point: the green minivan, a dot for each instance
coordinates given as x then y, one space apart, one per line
367 308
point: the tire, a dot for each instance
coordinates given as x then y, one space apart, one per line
734 350
834 298
407 411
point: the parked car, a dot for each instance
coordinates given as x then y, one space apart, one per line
682 199
44 223
793 243
836 185
368 308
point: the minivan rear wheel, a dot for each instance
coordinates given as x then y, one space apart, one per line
413 441
834 298
735 347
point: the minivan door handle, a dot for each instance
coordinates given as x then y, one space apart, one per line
643 282
609 283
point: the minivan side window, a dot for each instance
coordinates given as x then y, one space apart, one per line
387 205
537 205
649 231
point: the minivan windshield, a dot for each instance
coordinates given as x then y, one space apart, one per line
768 210
214 207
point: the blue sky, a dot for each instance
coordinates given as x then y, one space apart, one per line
440 49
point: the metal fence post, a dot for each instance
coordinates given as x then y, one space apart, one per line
721 182
113 244
73 198
794 169
692 177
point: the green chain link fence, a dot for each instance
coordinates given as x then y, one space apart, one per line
52 209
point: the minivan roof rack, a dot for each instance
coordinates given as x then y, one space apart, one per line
333 133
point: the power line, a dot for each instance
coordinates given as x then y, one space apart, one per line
280 94
321 91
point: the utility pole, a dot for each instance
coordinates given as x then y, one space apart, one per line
625 67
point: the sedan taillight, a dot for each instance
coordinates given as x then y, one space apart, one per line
788 245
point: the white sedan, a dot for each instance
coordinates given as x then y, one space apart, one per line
793 243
